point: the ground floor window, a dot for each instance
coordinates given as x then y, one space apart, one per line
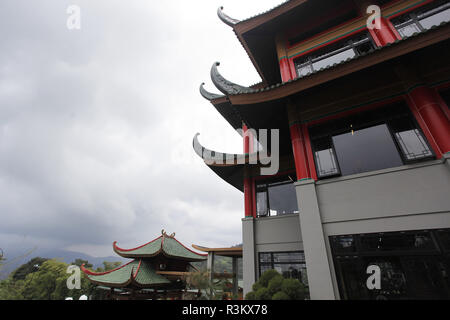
410 265
289 264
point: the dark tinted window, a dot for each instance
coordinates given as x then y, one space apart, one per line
373 140
397 241
276 198
366 150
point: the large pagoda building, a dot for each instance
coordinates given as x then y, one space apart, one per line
363 115
158 269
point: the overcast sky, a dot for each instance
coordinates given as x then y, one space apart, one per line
96 125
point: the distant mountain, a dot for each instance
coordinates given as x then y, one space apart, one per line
15 260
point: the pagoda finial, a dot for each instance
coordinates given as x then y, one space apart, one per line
226 19
225 86
166 235
208 95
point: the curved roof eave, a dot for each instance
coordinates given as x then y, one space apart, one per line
208 95
219 159
225 86
226 19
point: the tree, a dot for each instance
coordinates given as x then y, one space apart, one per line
1 258
273 286
42 279
80 262
31 266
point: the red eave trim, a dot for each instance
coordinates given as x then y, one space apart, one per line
92 273
137 270
117 248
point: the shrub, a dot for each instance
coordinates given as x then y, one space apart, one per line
294 289
275 284
266 277
280 296
263 294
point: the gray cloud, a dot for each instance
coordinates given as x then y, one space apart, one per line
96 125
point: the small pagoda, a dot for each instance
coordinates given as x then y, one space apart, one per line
158 270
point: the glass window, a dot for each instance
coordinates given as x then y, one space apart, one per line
288 264
410 139
423 18
408 30
382 138
411 265
335 58
335 53
435 19
288 256
273 199
411 241
262 208
343 243
444 239
325 158
366 150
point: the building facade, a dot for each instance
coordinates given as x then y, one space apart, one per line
359 207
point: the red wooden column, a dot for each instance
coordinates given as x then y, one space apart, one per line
285 68
300 153
425 105
249 190
386 34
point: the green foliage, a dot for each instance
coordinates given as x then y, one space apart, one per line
31 266
80 262
294 289
280 296
273 286
266 277
42 279
110 265
263 294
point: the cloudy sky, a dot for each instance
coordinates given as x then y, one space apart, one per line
96 124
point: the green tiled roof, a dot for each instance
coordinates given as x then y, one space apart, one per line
137 272
166 245
174 249
148 250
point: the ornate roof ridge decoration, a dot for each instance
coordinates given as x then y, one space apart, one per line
174 249
208 95
164 234
225 86
226 19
